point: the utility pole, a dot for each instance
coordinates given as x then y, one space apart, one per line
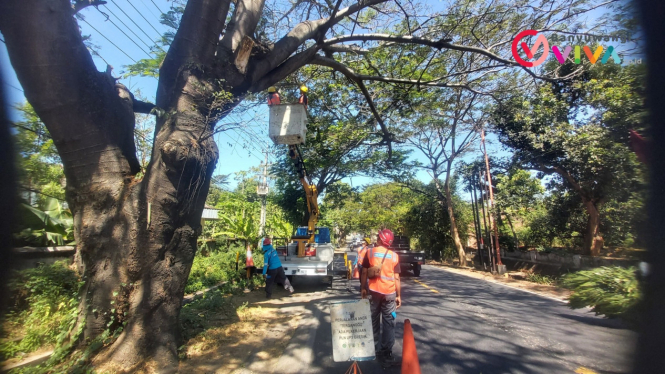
484 199
491 205
262 190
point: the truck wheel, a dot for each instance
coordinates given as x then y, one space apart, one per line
416 270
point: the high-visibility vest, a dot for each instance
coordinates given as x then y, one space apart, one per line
359 262
273 98
384 284
303 100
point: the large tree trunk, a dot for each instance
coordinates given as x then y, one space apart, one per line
135 269
136 239
593 242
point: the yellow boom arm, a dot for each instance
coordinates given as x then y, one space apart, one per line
311 195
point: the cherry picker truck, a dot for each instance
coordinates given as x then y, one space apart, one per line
310 252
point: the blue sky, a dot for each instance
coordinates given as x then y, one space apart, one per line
138 19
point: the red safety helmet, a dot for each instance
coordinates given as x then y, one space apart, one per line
267 241
386 236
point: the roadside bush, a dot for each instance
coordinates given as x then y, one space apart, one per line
610 291
218 267
43 308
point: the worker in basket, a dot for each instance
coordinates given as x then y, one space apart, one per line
273 96
381 270
303 96
273 272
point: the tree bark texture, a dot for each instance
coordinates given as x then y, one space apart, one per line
136 239
593 242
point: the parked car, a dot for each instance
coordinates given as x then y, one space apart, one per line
408 259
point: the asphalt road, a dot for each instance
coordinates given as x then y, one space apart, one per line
467 325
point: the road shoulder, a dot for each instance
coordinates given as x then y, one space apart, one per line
551 292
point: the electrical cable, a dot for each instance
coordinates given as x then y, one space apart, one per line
109 40
125 34
131 19
251 148
148 9
249 145
14 87
141 14
129 28
153 3
238 141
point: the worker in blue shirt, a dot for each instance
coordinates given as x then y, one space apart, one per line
273 272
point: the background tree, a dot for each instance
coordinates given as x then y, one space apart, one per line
443 132
517 194
428 221
577 131
40 169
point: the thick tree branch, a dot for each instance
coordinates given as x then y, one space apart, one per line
285 69
88 116
142 107
324 29
246 17
302 32
439 44
345 49
195 42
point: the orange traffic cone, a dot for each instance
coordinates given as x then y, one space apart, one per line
410 364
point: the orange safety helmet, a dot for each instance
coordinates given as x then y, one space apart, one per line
386 236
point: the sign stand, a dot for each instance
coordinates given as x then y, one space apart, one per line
354 369
352 335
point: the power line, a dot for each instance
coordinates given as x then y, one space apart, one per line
131 19
14 87
141 14
125 34
129 28
109 40
244 140
153 2
148 9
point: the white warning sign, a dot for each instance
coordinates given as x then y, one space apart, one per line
352 335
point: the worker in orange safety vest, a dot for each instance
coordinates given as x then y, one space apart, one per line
357 264
273 96
381 266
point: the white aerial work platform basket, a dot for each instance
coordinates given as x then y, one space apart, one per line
288 124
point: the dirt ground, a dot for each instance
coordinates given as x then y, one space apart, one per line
239 332
543 289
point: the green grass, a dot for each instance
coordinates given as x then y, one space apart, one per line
43 308
44 301
541 279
